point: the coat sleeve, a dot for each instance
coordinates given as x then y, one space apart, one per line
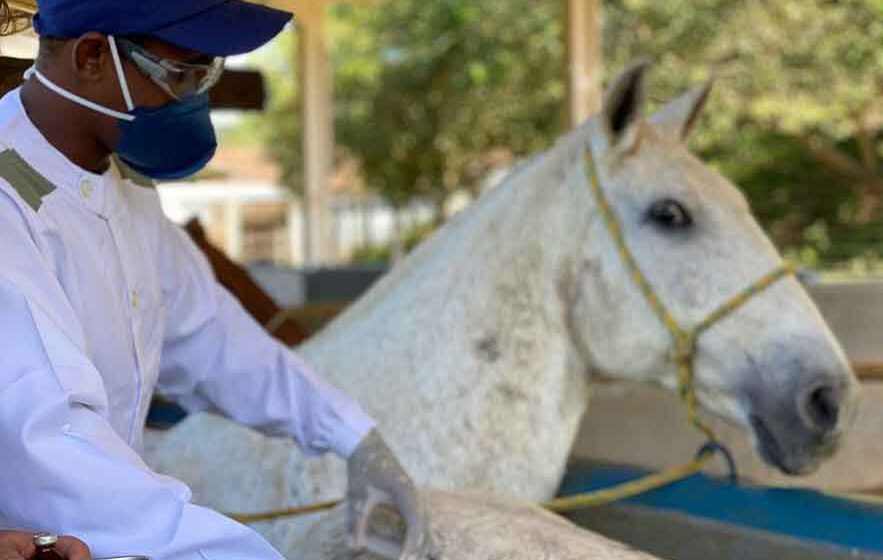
216 357
63 469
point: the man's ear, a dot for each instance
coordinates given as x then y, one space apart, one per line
91 57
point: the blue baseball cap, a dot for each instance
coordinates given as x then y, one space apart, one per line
213 27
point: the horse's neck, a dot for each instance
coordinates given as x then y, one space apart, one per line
466 341
508 247
539 212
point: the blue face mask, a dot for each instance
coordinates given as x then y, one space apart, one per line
169 142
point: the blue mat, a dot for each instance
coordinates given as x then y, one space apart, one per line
802 514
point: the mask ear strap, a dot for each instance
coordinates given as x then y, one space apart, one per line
118 64
33 72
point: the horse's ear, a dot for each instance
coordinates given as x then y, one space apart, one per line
623 110
678 116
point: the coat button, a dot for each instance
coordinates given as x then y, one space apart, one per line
86 188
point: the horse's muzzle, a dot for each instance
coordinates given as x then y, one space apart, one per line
796 432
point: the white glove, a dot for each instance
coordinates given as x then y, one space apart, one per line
376 478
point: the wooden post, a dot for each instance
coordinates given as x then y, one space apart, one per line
584 60
318 128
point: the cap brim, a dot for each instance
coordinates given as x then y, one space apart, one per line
229 28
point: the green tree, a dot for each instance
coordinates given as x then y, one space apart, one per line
280 124
461 84
797 110
430 94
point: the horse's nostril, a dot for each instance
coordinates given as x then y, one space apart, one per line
823 408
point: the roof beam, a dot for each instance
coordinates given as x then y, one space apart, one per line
239 89
243 90
29 6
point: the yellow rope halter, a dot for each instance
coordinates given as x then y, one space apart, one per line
682 355
683 340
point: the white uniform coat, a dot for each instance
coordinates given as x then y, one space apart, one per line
103 300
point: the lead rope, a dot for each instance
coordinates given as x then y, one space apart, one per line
683 355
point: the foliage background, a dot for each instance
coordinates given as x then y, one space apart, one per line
431 95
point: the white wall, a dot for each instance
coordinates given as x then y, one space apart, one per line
354 221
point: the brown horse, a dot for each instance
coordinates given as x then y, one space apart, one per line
252 297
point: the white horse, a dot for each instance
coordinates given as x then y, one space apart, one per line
478 528
476 353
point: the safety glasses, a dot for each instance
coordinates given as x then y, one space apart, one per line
179 79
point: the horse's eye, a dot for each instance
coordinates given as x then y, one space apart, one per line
669 214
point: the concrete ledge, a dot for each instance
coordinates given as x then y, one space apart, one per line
676 536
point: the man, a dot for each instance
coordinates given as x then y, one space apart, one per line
16 545
102 299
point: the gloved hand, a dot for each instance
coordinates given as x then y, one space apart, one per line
373 470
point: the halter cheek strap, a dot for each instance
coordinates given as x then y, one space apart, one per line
684 341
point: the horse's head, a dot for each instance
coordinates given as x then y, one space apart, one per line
771 365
